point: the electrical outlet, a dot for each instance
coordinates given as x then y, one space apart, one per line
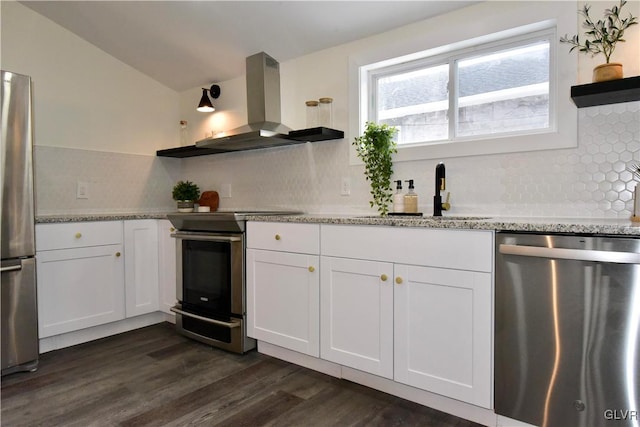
225 191
82 190
345 188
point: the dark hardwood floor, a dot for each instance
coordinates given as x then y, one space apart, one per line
155 377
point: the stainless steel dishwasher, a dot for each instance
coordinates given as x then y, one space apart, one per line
567 345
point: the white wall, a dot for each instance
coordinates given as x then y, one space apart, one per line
83 97
587 181
97 120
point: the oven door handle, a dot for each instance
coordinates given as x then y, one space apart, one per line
230 325
206 237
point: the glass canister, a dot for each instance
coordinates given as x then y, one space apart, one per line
312 114
325 112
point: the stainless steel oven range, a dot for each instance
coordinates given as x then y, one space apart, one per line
211 287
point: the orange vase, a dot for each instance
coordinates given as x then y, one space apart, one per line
605 72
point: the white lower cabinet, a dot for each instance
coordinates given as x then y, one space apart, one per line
442 332
141 266
167 265
79 286
357 314
282 300
283 285
93 273
413 305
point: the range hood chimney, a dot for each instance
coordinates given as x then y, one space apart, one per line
263 111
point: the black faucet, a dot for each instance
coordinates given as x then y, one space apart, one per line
438 206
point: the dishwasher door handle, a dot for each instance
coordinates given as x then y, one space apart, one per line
571 254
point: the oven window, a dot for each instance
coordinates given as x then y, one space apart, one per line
206 275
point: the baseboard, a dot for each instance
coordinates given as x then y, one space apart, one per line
300 359
69 339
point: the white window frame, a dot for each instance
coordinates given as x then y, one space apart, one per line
562 131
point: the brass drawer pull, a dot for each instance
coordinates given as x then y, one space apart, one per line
311 269
118 254
383 277
399 280
78 235
278 237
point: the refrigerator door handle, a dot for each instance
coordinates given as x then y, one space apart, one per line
11 268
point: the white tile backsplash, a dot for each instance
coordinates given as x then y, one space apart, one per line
588 181
117 182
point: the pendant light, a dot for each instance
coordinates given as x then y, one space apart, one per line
205 105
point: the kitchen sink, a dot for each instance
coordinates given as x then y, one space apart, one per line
457 218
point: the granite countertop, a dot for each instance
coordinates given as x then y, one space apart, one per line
526 224
78 217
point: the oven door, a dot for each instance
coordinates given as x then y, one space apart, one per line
210 274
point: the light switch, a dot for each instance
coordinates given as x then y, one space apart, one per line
82 190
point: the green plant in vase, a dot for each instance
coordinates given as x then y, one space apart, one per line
375 148
185 193
601 37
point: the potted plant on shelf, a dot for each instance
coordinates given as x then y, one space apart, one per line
185 193
601 37
375 148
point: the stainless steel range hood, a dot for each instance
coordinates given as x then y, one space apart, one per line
263 111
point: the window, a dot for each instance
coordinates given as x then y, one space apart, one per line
501 89
453 88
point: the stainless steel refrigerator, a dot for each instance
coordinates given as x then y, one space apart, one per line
19 326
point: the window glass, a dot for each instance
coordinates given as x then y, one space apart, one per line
498 88
416 102
506 91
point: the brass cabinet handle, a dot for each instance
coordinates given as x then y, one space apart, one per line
78 235
118 254
311 269
172 229
383 277
399 280
278 237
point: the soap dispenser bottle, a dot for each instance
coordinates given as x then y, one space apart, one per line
398 198
411 199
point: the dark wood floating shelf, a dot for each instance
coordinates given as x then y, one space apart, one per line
609 92
294 137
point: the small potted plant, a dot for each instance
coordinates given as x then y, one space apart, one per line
375 148
185 193
601 37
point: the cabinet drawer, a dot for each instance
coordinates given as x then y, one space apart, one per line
458 249
283 236
77 235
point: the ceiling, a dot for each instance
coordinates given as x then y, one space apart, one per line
185 44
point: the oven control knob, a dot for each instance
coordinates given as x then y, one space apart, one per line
278 237
311 269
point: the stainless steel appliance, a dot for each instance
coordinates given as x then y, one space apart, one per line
567 329
19 324
263 110
211 287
